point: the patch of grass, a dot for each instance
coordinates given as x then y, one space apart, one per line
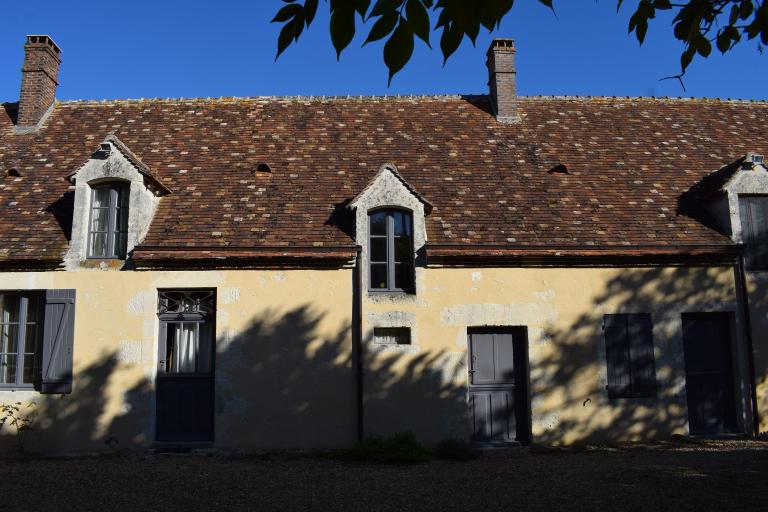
456 449
400 448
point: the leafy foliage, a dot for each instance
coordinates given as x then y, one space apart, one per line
15 416
401 448
698 24
400 21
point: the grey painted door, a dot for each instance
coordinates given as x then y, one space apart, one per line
498 399
185 382
709 373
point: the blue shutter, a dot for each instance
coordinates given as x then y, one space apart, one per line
640 333
617 355
58 341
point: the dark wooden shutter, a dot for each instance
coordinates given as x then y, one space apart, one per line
58 341
753 212
641 358
617 355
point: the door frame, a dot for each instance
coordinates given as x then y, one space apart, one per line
163 319
740 397
520 350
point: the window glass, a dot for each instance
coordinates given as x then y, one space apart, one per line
391 250
187 320
403 277
108 234
20 337
379 249
379 276
392 335
379 223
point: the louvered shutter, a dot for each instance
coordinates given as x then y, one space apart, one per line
58 341
617 355
641 358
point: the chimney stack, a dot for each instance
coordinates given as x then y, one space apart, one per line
501 80
39 78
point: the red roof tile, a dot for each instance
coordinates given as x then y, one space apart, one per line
629 162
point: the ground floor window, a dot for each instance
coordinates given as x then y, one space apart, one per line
20 338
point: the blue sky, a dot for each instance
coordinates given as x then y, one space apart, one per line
172 48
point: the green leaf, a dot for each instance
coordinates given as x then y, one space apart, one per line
286 36
342 28
745 11
703 46
687 57
286 13
383 6
399 48
361 6
418 17
383 26
310 10
450 41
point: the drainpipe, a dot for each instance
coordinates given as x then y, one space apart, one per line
357 339
741 290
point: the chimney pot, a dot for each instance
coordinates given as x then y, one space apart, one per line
502 80
39 79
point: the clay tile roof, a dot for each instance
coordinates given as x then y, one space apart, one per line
629 161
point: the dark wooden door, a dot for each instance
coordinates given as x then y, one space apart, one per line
498 399
709 373
185 382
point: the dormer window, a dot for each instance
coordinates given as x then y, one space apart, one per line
753 211
391 250
108 229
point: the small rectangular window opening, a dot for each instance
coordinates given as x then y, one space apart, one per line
392 335
21 331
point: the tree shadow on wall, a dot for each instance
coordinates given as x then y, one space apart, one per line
569 375
285 381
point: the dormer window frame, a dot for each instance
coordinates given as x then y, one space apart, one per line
117 209
391 261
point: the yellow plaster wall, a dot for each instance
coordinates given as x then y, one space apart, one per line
283 376
562 310
757 288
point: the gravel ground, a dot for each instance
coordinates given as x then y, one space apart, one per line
711 476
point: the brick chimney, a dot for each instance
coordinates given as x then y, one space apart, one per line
39 78
501 80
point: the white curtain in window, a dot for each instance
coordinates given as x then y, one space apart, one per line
192 347
185 348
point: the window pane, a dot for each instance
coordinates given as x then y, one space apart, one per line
392 335
30 369
122 196
32 338
184 347
121 242
403 276
205 349
379 249
403 251
403 224
9 335
34 308
99 219
379 223
379 276
101 197
9 309
99 245
7 369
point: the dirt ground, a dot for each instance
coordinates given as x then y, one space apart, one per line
718 476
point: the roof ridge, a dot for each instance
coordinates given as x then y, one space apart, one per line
407 98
